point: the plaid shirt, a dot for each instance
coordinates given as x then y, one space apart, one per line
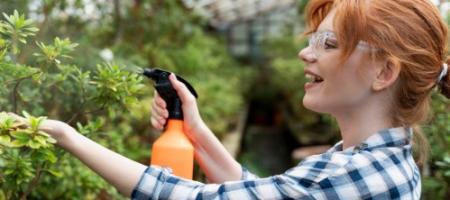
382 167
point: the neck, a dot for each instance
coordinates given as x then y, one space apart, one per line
360 122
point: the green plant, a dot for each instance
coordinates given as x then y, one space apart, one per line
25 154
50 85
436 177
107 101
17 28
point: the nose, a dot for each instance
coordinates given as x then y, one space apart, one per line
307 55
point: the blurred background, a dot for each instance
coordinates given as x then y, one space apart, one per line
75 60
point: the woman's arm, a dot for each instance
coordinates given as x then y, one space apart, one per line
214 160
158 183
217 163
121 172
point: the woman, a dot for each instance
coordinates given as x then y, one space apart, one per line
371 64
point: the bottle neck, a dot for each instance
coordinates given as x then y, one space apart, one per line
174 107
174 125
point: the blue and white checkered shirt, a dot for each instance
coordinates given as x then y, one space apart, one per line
382 167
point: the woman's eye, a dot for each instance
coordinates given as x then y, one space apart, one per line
330 44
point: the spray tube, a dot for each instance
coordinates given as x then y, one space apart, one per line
172 149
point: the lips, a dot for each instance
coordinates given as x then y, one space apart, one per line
313 79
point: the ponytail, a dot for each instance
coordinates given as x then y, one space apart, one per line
444 82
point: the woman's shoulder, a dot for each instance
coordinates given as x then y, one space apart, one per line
382 173
385 155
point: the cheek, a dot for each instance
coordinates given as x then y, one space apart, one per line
341 90
352 79
347 88
344 87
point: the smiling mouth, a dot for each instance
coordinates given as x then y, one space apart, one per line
313 78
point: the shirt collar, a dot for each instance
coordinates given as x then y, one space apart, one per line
391 137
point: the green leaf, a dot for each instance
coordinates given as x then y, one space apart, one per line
8 171
34 144
51 140
43 133
55 173
23 135
17 143
40 139
25 114
447 173
6 121
51 157
23 41
5 140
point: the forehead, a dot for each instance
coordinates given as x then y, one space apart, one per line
327 23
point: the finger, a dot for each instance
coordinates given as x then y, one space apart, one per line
18 118
159 100
159 118
158 110
156 124
182 91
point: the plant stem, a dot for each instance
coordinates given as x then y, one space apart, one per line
33 182
14 93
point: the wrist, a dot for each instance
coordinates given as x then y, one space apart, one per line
201 131
69 138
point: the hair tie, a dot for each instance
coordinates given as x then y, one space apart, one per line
443 72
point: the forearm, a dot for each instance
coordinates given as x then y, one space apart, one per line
116 169
214 160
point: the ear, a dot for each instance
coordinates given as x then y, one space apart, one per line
386 75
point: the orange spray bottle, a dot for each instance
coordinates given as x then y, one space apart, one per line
172 149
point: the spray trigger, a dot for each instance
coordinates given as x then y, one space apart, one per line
167 92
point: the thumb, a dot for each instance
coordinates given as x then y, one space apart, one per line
185 95
18 118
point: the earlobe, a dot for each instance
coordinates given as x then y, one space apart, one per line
386 75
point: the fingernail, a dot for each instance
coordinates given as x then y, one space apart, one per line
173 76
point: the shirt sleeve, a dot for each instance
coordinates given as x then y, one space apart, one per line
247 175
159 183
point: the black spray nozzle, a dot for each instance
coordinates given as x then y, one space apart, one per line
167 92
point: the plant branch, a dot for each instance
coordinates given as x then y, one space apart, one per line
33 182
14 93
80 112
17 79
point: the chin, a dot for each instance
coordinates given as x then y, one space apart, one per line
313 104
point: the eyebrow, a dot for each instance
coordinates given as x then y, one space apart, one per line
324 30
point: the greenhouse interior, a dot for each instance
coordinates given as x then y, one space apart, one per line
80 62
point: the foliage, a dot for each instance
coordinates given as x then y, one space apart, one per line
25 154
28 154
17 29
436 179
103 98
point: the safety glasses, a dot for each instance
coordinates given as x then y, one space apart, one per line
323 41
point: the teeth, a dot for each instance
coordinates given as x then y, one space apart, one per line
309 77
312 78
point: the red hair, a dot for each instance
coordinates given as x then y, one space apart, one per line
409 33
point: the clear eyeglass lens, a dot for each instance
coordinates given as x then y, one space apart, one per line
317 41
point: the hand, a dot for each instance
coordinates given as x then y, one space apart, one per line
193 123
218 165
108 164
57 129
